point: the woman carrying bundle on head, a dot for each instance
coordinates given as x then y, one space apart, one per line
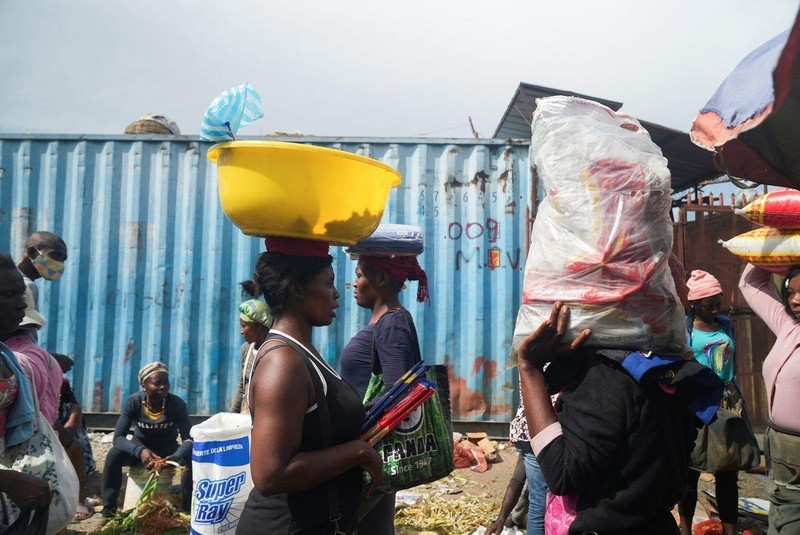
388 344
158 418
307 461
781 371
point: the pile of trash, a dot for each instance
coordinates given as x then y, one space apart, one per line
474 451
451 505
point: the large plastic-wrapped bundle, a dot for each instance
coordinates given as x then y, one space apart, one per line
602 237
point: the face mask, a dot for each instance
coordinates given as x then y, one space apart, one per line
47 267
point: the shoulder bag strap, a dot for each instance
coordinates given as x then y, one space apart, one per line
334 510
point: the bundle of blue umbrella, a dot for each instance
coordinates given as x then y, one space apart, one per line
232 109
397 404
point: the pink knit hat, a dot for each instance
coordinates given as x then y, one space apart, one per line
702 284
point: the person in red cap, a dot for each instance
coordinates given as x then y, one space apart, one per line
307 460
710 335
387 345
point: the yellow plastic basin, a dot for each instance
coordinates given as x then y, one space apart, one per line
272 188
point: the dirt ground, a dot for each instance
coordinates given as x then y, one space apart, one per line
458 504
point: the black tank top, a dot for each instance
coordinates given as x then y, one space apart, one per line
306 512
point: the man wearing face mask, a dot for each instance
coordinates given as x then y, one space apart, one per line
44 257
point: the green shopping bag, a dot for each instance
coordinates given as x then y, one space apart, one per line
420 449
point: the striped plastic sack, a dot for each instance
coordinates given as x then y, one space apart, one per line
772 249
778 209
231 110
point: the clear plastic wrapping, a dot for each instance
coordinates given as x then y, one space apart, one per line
602 236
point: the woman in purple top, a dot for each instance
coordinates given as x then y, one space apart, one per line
781 371
392 335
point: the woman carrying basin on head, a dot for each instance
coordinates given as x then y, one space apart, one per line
389 338
307 462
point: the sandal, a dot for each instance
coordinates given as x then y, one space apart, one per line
82 512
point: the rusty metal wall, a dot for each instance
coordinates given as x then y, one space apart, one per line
154 264
696 245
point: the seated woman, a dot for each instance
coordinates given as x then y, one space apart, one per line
307 461
72 430
615 449
158 417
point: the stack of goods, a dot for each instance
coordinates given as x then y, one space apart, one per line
397 404
390 240
775 246
602 237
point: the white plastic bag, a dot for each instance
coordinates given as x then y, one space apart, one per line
43 456
602 236
221 472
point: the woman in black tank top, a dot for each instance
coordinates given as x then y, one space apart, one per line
302 487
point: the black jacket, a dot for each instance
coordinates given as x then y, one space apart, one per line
624 450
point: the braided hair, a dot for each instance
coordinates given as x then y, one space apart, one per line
276 272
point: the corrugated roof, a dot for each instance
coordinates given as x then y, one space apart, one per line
688 163
516 121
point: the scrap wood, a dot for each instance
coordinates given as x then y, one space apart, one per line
488 449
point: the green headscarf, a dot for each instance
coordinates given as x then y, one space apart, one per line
255 311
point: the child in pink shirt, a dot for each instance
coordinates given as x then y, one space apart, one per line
47 372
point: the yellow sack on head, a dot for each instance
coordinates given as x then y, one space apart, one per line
773 249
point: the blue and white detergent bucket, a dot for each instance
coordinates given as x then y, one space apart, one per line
221 471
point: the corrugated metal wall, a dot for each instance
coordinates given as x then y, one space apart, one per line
154 264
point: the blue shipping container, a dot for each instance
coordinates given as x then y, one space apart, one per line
154 264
